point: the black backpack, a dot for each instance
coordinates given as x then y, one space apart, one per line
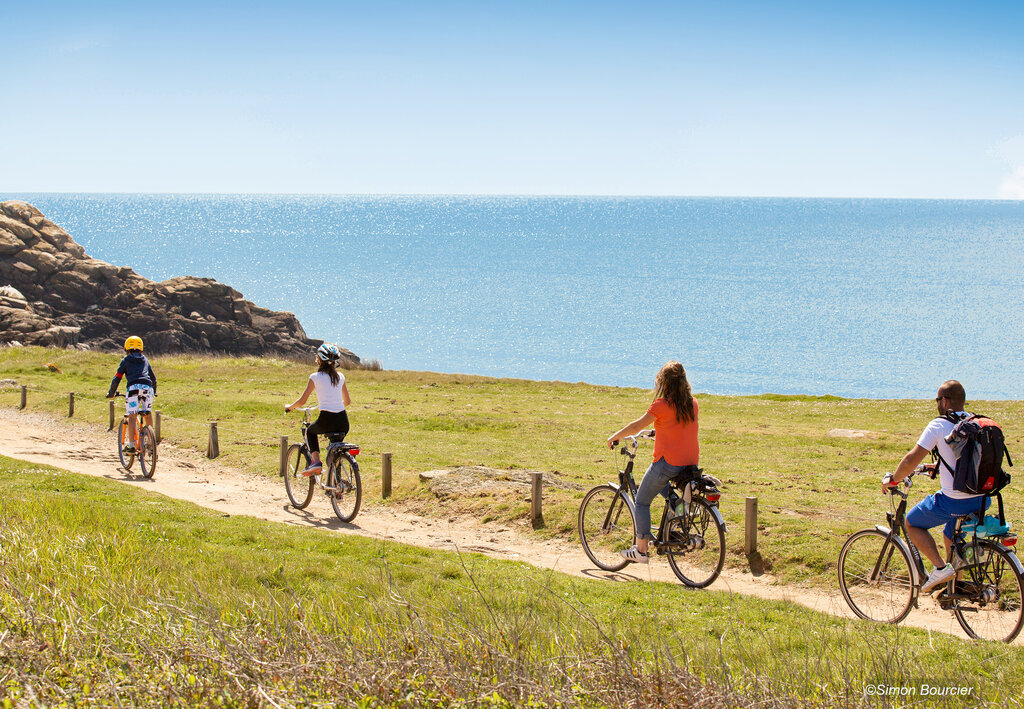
978 442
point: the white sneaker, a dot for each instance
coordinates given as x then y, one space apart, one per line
635 555
938 577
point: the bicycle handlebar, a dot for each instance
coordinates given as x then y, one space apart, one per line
647 433
304 409
924 469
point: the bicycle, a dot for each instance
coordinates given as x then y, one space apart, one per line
881 572
342 487
144 444
691 534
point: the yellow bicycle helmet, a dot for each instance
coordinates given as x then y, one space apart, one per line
133 343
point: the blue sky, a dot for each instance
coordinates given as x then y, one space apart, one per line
859 99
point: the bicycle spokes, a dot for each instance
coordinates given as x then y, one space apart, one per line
988 600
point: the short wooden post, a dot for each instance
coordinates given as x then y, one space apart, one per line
213 447
71 404
385 475
536 485
111 426
284 456
156 423
750 536
24 396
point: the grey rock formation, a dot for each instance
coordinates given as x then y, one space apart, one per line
53 294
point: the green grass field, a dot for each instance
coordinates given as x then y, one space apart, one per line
113 596
813 489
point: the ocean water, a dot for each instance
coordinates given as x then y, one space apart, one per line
864 298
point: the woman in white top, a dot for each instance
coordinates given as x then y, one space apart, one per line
332 393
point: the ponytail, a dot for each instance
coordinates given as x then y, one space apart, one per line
332 372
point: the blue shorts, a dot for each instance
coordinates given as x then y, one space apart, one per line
940 509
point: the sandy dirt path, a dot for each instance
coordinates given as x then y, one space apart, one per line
187 475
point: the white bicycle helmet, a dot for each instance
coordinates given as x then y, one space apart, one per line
328 353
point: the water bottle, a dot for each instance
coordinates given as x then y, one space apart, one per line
685 506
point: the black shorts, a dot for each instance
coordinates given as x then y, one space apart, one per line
326 422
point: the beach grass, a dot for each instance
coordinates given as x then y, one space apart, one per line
115 596
814 486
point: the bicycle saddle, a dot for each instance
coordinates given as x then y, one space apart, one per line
687 476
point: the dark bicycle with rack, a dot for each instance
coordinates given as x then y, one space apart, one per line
142 446
881 572
691 534
339 478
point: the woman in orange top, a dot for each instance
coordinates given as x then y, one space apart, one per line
674 415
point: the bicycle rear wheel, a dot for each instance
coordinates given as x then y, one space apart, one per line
298 486
122 442
875 577
606 527
343 475
995 607
147 452
696 549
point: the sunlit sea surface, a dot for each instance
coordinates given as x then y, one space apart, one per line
866 298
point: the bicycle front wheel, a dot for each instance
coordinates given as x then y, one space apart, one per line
122 443
994 607
147 452
298 486
606 527
696 545
343 476
875 577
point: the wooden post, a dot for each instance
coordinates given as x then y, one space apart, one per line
156 423
750 536
213 447
111 426
536 515
24 396
385 475
71 404
284 456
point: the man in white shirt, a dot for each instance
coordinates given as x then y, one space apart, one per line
947 505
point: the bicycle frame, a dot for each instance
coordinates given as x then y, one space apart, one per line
628 484
333 449
307 421
898 526
129 439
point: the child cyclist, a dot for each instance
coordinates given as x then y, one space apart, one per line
332 393
141 391
676 451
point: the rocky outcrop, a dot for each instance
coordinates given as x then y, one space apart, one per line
53 294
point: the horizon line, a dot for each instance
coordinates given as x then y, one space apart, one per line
517 195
